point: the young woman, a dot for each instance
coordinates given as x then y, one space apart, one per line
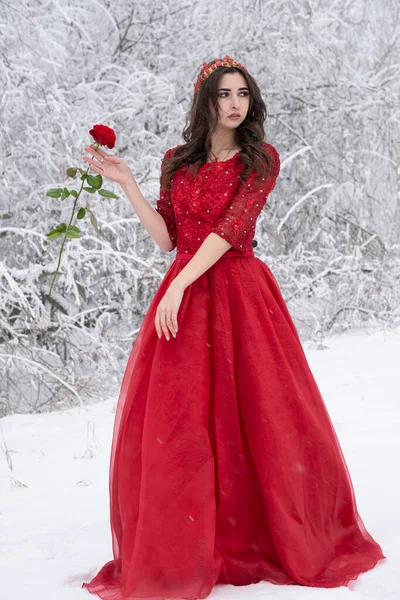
225 466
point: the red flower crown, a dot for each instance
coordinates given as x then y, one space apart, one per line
205 72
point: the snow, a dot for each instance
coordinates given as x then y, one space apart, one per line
54 525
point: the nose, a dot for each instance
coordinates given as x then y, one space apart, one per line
235 102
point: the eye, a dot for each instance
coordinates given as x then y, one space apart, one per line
222 94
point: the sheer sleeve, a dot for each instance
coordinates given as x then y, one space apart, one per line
237 222
164 207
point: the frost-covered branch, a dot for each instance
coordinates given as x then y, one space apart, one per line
330 76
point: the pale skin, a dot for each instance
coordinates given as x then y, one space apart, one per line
233 97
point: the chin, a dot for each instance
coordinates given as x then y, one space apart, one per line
233 124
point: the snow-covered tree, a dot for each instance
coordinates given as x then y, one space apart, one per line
329 73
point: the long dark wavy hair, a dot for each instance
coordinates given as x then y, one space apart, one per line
201 123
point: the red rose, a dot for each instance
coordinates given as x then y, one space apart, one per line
103 135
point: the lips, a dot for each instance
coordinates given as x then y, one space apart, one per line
235 116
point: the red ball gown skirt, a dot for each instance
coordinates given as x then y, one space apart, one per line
225 466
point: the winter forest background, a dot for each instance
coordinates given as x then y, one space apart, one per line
329 73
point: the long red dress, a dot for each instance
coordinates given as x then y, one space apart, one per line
225 466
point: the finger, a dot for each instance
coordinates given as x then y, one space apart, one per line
96 166
175 322
170 324
160 325
93 151
163 324
157 325
92 161
97 151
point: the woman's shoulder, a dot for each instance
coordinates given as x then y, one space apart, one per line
171 151
273 154
270 149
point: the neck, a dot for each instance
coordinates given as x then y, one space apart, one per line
222 141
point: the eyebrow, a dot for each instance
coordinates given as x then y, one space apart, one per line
229 89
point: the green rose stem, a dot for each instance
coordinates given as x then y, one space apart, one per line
65 233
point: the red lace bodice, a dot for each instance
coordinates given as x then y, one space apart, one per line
215 201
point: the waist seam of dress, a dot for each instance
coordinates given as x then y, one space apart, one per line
228 254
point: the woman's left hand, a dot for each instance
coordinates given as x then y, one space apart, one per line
166 319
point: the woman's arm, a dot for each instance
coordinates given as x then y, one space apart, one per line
166 319
236 224
151 220
213 247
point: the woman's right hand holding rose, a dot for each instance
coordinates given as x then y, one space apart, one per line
113 168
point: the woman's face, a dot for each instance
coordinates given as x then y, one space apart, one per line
233 99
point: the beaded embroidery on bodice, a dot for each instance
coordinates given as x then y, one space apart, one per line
215 201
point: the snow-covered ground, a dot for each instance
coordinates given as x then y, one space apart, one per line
54 525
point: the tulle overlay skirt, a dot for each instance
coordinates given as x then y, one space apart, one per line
225 466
